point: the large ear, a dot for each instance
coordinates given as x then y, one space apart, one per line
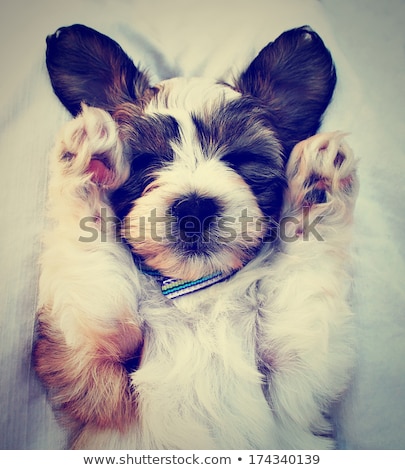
87 66
294 78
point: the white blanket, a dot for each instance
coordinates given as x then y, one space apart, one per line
216 39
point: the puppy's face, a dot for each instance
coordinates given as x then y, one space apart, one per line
206 187
207 158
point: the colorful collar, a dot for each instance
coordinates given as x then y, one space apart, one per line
172 288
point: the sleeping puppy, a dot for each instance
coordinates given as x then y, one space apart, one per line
195 271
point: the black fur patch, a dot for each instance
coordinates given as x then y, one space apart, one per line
241 134
148 139
294 78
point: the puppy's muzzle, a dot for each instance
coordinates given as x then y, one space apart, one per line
193 216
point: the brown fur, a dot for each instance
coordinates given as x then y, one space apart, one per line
91 384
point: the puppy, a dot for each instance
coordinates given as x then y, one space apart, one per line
195 272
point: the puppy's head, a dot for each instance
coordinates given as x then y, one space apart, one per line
207 158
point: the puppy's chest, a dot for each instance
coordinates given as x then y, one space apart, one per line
216 325
204 308
199 370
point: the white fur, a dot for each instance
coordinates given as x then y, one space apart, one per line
199 384
83 301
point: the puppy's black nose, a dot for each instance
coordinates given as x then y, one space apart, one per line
194 213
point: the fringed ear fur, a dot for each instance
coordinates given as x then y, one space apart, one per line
294 78
87 66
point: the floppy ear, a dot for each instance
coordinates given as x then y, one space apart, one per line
294 78
87 66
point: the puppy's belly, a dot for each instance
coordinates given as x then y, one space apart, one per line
198 385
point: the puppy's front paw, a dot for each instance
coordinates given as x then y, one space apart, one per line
90 148
322 174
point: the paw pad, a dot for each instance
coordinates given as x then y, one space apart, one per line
90 146
321 169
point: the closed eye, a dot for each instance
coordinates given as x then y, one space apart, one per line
143 169
238 159
265 176
149 188
145 166
254 168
